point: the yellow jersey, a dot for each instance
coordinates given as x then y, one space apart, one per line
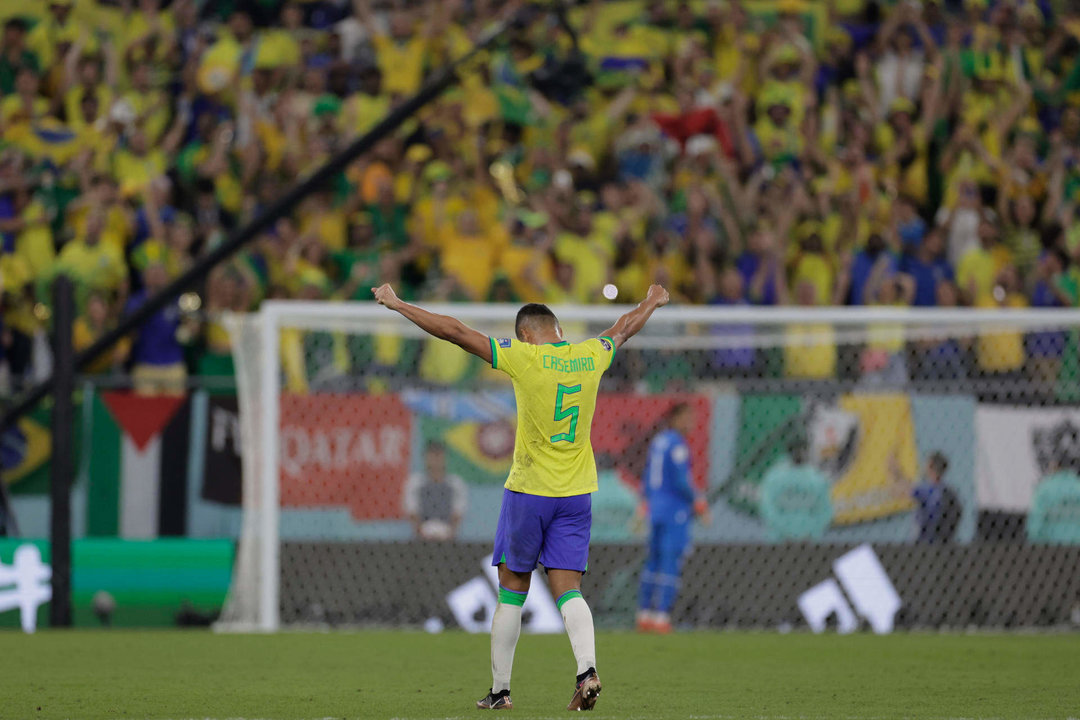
401 63
555 386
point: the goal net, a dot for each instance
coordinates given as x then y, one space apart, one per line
864 467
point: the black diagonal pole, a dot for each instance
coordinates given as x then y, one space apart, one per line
9 527
443 79
63 430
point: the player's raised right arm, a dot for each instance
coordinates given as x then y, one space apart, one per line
631 323
440 326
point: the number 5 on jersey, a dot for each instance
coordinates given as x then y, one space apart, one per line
562 413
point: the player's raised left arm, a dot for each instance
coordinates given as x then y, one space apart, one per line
631 323
440 326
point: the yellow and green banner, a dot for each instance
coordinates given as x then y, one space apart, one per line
864 443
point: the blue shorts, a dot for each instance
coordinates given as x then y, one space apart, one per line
551 530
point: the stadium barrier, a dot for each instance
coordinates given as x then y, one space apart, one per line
120 583
987 586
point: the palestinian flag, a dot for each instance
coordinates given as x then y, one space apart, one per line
138 458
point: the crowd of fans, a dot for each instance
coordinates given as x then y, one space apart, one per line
838 152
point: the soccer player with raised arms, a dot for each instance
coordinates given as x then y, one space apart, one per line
546 513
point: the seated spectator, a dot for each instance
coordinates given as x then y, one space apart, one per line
1054 517
434 499
793 500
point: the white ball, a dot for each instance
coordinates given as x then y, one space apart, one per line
433 625
104 603
436 530
610 291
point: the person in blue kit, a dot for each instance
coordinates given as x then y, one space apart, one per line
158 366
671 502
937 507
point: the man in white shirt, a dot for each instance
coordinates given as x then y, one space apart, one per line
434 499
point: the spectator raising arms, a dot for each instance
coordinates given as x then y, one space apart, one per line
804 149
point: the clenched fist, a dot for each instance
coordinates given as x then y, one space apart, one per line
385 295
658 296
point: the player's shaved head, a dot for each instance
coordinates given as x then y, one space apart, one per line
535 320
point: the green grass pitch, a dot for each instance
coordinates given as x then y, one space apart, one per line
195 674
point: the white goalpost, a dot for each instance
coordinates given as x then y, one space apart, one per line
324 352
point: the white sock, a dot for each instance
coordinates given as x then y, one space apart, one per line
579 626
505 630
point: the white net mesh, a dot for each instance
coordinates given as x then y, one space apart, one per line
946 441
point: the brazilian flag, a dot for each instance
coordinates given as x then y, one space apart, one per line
477 430
45 140
24 454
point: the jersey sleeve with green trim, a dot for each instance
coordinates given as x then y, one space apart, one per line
512 356
604 348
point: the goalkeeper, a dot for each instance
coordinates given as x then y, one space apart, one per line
546 513
672 503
